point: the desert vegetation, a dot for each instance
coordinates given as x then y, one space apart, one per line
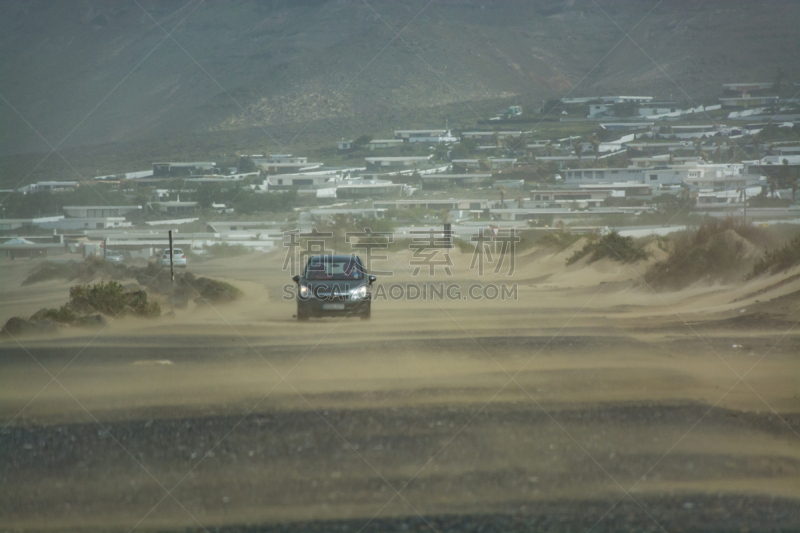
716 251
777 260
613 246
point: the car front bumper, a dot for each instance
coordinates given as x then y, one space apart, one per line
334 307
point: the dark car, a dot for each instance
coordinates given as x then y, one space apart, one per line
334 285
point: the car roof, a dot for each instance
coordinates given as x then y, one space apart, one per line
334 257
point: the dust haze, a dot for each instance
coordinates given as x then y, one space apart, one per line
630 363
559 400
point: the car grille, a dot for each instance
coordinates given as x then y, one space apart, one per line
333 297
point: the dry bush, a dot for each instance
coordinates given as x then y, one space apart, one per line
716 251
777 260
614 246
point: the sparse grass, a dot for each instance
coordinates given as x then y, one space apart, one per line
703 254
465 247
48 271
614 246
557 239
236 292
215 291
224 249
72 270
777 260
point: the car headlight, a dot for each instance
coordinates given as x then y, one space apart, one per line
305 292
360 292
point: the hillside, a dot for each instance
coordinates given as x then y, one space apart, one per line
286 75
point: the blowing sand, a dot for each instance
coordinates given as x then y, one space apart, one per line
588 400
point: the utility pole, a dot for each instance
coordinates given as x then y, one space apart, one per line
171 263
745 204
171 274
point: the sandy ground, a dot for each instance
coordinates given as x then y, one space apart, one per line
588 401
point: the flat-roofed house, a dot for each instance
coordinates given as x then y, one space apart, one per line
378 163
745 88
99 211
175 207
368 190
440 181
162 170
501 162
52 186
433 205
377 144
289 167
425 136
490 136
465 165
748 101
288 181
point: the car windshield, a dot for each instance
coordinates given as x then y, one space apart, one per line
333 268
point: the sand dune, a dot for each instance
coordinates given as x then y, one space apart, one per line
565 394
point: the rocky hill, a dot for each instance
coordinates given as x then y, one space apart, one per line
285 74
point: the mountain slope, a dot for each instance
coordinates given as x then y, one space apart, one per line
91 72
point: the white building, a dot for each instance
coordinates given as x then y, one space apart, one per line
99 211
576 177
596 110
287 181
384 143
87 223
606 99
425 136
285 158
657 108
500 162
489 136
655 178
375 163
732 196
53 186
438 181
748 101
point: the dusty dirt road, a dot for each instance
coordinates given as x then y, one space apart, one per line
588 402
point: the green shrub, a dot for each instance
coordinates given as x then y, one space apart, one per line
62 315
111 299
777 260
613 246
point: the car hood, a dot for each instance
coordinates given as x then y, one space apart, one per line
334 285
